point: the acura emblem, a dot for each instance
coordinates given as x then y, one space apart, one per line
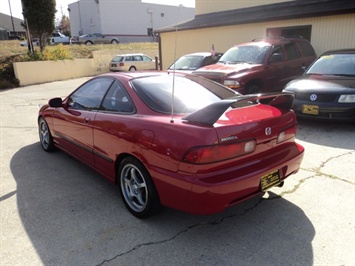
313 97
268 131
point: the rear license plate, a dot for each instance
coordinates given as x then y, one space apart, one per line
310 109
270 180
113 65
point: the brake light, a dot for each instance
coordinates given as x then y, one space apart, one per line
121 64
287 134
215 153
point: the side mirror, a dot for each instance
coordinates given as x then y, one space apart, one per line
277 57
55 102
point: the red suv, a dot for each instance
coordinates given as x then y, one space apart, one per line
261 65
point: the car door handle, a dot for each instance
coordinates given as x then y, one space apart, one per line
86 120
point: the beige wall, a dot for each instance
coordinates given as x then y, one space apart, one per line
210 6
46 71
329 32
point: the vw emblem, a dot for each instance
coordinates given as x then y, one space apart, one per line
268 131
313 97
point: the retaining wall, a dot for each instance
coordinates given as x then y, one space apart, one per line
30 73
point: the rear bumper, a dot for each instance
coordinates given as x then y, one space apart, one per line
213 192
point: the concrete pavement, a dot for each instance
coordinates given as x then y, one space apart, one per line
56 211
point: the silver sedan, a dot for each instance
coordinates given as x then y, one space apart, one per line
96 38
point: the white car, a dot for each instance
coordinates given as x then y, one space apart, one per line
58 37
132 62
35 42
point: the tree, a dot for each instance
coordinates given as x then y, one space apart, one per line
64 25
39 16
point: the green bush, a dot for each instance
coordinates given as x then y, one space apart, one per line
35 56
50 53
56 52
7 76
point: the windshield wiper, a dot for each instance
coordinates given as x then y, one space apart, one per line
331 74
344 75
234 62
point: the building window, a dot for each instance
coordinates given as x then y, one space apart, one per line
297 31
150 31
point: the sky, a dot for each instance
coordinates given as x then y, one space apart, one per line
62 6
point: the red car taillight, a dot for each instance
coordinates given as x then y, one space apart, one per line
287 134
215 153
121 64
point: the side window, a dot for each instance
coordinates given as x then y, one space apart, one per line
307 49
277 54
128 58
89 96
146 59
291 51
138 58
117 100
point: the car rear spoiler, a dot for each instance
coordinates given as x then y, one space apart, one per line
211 113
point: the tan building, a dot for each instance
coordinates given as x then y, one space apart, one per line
328 24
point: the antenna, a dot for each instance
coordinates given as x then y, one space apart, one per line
173 90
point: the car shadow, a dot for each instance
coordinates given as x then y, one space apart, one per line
75 217
326 133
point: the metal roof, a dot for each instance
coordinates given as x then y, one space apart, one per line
6 23
263 13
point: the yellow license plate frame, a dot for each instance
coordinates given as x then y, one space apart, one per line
310 109
270 180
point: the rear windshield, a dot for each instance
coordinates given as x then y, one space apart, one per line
251 54
334 64
191 93
117 59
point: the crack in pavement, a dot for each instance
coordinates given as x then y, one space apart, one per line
322 164
215 222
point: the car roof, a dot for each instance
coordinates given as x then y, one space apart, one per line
340 51
272 41
199 54
129 54
138 74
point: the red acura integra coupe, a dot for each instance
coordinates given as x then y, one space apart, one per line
175 140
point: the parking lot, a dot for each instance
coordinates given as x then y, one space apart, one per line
56 211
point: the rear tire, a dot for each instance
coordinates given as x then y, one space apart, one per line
132 68
89 43
137 189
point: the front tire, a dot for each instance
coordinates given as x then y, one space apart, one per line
45 136
137 189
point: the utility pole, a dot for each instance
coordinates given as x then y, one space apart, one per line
12 19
